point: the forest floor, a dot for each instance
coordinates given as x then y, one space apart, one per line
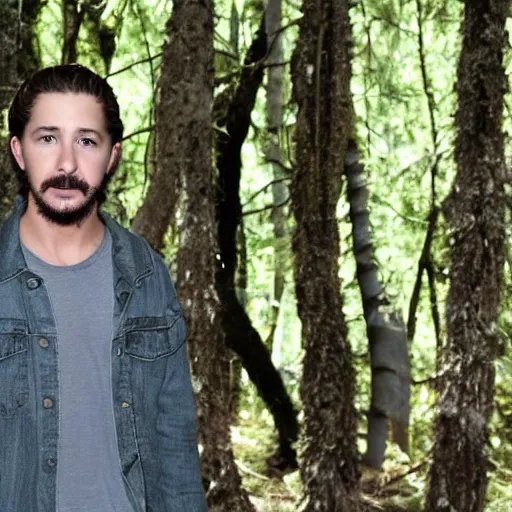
254 443
399 487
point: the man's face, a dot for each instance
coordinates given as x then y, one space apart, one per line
66 153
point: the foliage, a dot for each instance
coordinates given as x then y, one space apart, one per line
395 104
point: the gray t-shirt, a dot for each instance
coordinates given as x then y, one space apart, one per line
89 476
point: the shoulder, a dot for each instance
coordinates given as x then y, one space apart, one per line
139 256
134 249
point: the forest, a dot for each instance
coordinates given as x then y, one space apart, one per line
329 182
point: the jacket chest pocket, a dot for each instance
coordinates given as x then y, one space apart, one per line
153 338
13 367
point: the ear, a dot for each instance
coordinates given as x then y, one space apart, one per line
17 152
115 156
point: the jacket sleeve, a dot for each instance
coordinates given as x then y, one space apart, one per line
179 485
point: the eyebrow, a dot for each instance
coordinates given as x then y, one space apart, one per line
45 129
90 130
56 129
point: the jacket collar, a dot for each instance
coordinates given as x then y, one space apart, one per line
131 253
132 256
12 261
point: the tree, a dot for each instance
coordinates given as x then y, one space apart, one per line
475 210
104 32
389 358
321 78
403 124
184 145
241 336
73 12
76 14
274 111
18 59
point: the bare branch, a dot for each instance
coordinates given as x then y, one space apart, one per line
277 64
433 302
268 207
288 170
262 189
378 199
142 61
226 54
423 262
271 45
413 469
138 132
137 11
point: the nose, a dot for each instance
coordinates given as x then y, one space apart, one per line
67 159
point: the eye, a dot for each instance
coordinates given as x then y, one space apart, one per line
86 142
48 139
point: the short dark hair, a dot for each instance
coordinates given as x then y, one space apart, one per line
68 78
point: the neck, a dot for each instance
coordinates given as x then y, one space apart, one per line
60 245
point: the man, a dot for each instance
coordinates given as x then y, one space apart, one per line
96 406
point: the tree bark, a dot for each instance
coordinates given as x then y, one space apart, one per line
19 60
154 216
104 31
387 338
235 369
321 80
72 16
185 149
458 475
241 336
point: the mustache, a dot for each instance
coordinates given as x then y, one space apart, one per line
65 182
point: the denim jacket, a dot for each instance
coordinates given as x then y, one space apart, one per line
154 406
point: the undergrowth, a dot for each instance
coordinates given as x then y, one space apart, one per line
399 487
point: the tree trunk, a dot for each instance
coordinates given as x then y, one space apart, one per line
18 60
235 367
152 221
241 336
459 474
274 107
104 32
185 148
154 216
387 338
72 15
321 80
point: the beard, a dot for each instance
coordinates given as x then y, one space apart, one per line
72 215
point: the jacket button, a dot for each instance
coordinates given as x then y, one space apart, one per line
33 283
124 405
47 403
43 342
51 463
